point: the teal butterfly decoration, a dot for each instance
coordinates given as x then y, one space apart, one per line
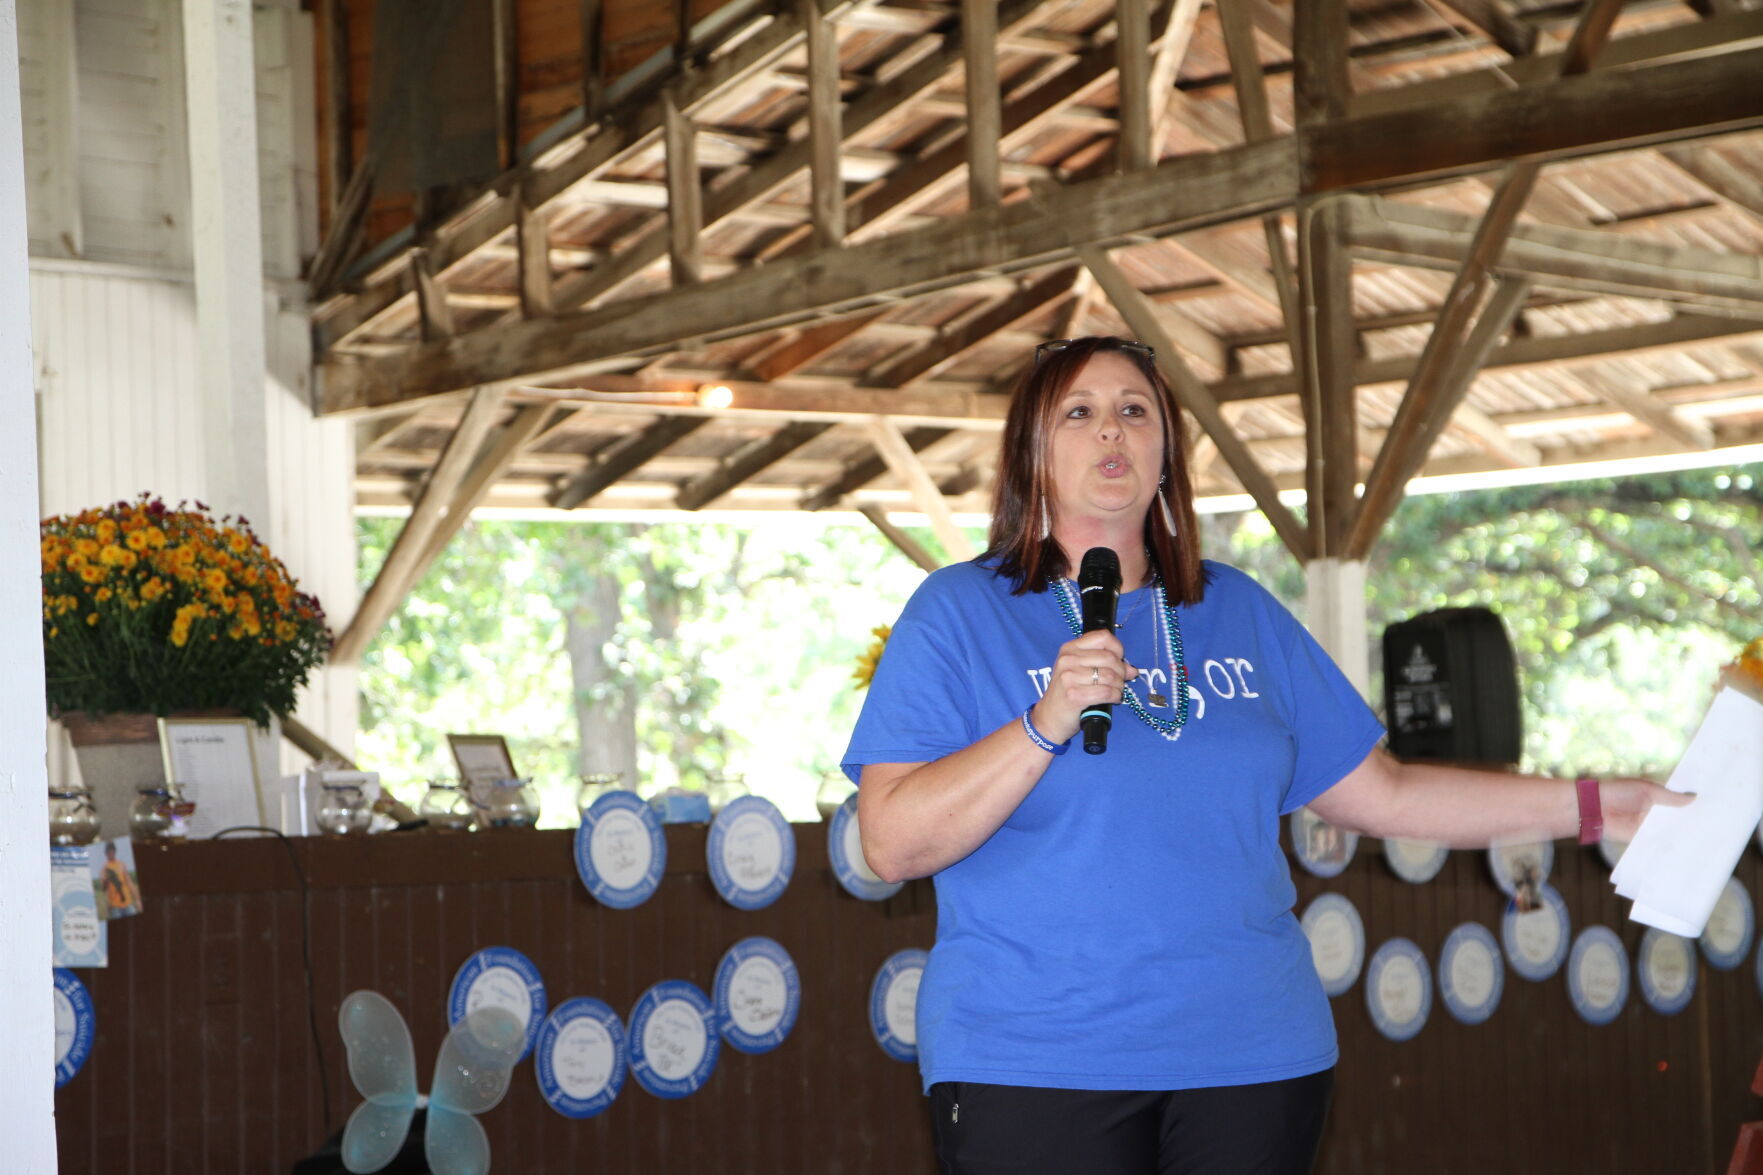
471 1077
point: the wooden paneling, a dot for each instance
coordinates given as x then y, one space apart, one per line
203 1062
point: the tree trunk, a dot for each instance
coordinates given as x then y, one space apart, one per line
605 702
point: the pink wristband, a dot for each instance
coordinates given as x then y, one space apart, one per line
1591 812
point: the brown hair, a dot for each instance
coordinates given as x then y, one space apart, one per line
1021 497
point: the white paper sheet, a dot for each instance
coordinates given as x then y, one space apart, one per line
1678 863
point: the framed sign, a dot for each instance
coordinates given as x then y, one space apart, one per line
213 760
482 759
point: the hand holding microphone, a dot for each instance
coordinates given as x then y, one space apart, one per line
1090 671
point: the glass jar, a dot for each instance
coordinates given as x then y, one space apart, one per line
160 812
724 789
73 818
596 784
445 806
343 809
835 788
509 803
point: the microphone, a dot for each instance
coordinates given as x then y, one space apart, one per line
1098 590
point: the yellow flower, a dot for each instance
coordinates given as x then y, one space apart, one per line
214 579
155 537
86 547
137 540
92 574
91 618
870 657
103 595
107 531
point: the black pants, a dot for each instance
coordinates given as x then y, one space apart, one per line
1267 1129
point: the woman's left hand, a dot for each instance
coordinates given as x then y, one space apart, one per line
1625 803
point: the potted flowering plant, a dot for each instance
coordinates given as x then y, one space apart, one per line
153 610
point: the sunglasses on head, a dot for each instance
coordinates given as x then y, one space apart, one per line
1131 347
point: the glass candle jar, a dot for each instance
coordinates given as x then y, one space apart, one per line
834 789
343 810
724 789
445 806
596 784
509 803
73 818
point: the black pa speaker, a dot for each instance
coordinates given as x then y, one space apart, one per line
1450 688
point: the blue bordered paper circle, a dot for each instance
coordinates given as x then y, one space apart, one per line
1414 861
757 995
1666 965
1337 941
1504 860
1597 975
75 1025
620 851
1321 848
1536 943
845 851
752 853
1731 927
893 1004
503 978
673 1041
580 1058
1471 973
1398 989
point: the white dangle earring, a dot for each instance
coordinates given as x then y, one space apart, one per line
1047 520
1163 505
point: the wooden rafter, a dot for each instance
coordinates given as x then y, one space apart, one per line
624 456
953 343
908 546
868 469
748 462
926 495
979 26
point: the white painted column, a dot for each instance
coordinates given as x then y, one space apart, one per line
227 246
1335 607
27 1034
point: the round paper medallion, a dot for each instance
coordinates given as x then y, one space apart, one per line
1415 861
580 1057
620 852
1337 941
501 977
1321 848
1471 973
758 995
1727 939
1536 943
673 1042
893 1004
1528 866
1597 975
1667 969
75 1025
1398 989
845 850
752 853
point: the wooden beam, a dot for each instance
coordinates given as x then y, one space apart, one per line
623 456
1491 435
868 469
1634 398
505 29
685 213
1727 183
398 574
533 257
431 299
1132 46
1581 259
1140 316
826 185
1324 358
593 59
908 546
748 462
1491 19
979 24
339 125
904 463
952 344
499 452
803 347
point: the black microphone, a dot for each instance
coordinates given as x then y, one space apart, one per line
1098 590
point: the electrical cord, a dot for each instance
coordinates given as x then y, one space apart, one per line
324 1080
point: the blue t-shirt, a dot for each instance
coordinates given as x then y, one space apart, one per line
1130 926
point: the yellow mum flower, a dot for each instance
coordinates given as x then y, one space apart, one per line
870 657
111 555
137 540
107 531
86 547
214 579
92 574
91 618
155 537
103 595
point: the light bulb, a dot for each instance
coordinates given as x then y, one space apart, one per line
715 396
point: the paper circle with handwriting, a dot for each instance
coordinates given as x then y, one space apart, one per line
1727 939
1321 848
580 1059
1471 973
620 852
893 1004
1510 863
1337 941
673 1040
1597 975
757 995
500 977
1398 989
752 853
844 848
1414 861
75 1025
1537 942
1666 964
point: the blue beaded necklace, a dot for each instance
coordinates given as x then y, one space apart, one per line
1170 631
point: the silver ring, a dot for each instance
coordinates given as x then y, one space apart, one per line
1095 675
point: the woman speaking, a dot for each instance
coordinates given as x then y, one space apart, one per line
1118 982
